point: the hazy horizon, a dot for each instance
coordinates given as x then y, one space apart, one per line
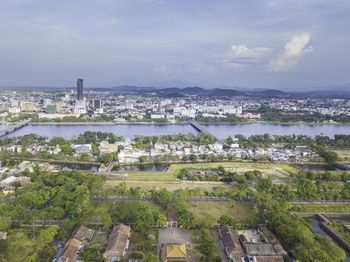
238 44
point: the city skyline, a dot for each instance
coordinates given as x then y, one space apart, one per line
294 44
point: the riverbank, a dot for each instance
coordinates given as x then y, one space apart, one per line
104 123
185 122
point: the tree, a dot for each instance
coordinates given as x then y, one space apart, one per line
90 254
66 149
106 158
161 220
164 197
107 222
225 220
207 246
32 258
50 252
150 257
306 189
47 236
5 223
264 185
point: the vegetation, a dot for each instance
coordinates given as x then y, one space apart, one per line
294 232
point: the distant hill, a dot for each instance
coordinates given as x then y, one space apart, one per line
194 90
330 91
268 93
324 94
130 88
226 92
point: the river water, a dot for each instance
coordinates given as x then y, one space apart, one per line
221 131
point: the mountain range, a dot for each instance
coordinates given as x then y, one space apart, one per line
339 92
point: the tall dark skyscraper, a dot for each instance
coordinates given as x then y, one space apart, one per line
80 89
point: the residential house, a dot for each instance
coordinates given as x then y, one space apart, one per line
79 237
118 243
231 243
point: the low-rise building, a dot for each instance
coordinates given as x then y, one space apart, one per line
178 252
80 236
82 149
271 238
231 243
118 243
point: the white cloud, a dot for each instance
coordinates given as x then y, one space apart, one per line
293 50
241 54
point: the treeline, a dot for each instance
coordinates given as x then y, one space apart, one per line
295 234
274 115
229 118
65 195
199 139
290 141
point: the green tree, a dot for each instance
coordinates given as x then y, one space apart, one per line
161 220
90 254
164 197
32 258
150 257
5 223
306 189
107 222
46 237
207 246
264 185
106 158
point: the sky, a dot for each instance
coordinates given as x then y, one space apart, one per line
289 44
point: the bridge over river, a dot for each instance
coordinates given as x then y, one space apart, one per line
204 130
12 128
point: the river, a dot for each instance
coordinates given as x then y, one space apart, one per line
221 131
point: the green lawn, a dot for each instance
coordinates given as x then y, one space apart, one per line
343 154
240 211
169 185
20 245
101 208
324 208
275 172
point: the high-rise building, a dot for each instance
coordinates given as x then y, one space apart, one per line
80 94
97 103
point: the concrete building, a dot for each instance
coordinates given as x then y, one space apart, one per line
97 103
80 93
51 109
28 106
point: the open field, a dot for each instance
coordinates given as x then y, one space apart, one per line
343 154
101 208
169 185
20 245
240 211
324 208
275 172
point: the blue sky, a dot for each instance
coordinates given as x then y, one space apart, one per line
251 43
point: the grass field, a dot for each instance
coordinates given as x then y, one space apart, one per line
343 154
20 245
325 208
240 211
275 172
99 209
169 185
